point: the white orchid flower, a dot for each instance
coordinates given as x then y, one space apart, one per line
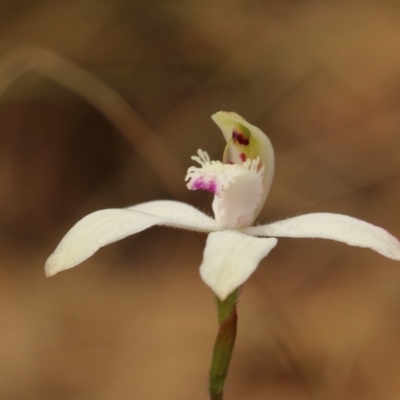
234 247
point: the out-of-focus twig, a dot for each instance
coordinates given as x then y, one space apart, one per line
106 100
292 346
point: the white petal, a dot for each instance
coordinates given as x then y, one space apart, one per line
230 257
107 226
187 215
235 206
336 227
238 188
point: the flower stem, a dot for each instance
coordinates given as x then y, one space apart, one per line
224 345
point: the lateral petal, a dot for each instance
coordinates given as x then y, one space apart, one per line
188 216
338 227
230 257
107 226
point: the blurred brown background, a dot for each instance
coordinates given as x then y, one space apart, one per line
318 319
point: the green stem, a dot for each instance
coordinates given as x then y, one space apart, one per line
224 345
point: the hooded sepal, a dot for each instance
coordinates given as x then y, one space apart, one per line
246 141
